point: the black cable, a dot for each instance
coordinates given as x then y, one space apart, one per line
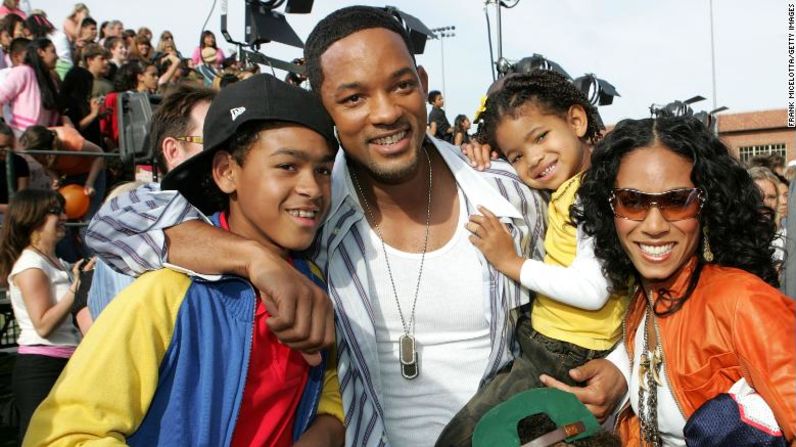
507 6
208 16
489 39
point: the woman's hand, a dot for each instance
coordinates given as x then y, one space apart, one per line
604 389
480 155
83 265
492 237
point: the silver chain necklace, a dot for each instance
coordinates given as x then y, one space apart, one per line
407 352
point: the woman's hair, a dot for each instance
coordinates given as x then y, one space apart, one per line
27 210
551 92
38 137
763 173
49 93
133 50
162 41
79 7
457 123
145 32
9 23
127 76
10 3
740 228
206 33
102 27
39 26
111 42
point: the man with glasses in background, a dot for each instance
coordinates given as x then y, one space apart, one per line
175 133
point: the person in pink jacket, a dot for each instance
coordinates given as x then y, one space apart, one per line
207 52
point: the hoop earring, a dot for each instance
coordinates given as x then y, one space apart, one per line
707 254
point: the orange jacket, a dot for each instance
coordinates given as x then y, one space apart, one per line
734 325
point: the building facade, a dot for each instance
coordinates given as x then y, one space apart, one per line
749 134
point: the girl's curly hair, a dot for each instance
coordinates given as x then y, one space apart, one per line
547 89
740 227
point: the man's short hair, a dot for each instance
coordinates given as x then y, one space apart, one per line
433 95
18 45
173 117
93 50
341 24
88 21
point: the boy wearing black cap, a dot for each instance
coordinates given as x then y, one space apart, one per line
192 362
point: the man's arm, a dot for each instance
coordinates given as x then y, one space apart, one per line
302 314
136 231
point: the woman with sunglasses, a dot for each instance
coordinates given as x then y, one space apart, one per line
680 227
42 289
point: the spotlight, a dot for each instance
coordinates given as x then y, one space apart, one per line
709 118
264 25
599 91
538 62
504 67
418 32
675 108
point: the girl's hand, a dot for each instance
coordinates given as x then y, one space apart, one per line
492 237
94 103
89 190
480 155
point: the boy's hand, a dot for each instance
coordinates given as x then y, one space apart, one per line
480 155
492 237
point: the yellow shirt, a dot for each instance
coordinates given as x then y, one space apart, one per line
597 330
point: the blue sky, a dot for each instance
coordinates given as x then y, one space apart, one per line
652 51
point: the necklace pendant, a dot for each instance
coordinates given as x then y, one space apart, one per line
407 354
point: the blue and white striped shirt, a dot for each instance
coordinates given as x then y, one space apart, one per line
128 233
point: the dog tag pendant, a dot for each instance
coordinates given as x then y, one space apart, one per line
407 354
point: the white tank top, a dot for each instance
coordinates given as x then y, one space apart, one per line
65 334
451 330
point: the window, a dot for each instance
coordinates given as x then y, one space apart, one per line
748 152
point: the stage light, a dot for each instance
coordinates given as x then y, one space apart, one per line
599 91
538 62
675 108
418 31
264 25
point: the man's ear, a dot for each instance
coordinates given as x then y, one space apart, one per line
578 119
224 172
421 72
171 152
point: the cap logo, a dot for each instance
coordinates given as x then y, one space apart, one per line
236 112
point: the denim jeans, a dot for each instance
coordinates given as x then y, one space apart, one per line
539 355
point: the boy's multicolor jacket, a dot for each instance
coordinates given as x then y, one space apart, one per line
166 364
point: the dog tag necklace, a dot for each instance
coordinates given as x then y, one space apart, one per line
407 346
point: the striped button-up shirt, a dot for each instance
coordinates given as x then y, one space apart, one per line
128 233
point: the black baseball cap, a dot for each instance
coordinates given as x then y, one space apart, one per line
259 98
